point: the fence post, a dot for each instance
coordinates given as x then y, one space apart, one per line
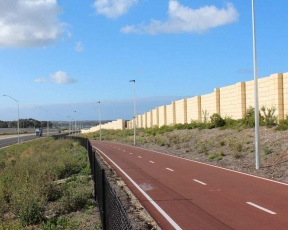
104 201
94 174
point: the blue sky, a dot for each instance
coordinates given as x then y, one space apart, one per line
63 56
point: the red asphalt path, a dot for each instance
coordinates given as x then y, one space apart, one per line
184 194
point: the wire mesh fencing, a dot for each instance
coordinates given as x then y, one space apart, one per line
112 213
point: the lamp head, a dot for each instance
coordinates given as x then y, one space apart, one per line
132 81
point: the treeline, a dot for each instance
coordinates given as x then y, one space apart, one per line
25 123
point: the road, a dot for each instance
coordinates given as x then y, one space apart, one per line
10 140
185 194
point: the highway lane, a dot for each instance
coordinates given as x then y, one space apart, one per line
6 141
193 195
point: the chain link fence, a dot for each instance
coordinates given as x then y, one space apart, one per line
112 212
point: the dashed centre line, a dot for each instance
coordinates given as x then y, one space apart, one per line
263 209
124 151
131 153
139 157
152 162
170 169
200 182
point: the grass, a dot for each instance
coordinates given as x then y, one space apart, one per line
267 150
27 183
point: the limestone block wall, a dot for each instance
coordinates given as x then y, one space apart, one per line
194 109
139 121
144 120
270 93
181 111
170 114
118 124
155 117
233 101
162 115
285 94
149 119
210 104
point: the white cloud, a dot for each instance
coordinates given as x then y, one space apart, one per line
40 80
113 8
78 47
183 19
61 77
29 23
69 34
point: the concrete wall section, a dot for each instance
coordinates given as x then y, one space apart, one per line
170 114
118 124
285 94
162 115
194 109
149 120
210 104
155 117
139 121
233 101
270 93
181 111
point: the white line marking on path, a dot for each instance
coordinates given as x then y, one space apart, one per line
139 157
200 182
263 209
124 151
131 153
168 218
170 169
214 166
152 162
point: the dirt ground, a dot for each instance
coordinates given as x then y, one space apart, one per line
232 149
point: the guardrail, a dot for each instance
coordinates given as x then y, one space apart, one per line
112 213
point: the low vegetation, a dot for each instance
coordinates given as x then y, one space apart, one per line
231 141
45 184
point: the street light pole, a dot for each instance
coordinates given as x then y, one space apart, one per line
69 123
75 123
47 122
18 115
100 119
256 101
134 112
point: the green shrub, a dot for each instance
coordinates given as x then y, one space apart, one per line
205 116
283 124
266 150
222 143
58 223
219 158
237 155
249 118
28 206
269 117
212 156
239 147
74 197
217 120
